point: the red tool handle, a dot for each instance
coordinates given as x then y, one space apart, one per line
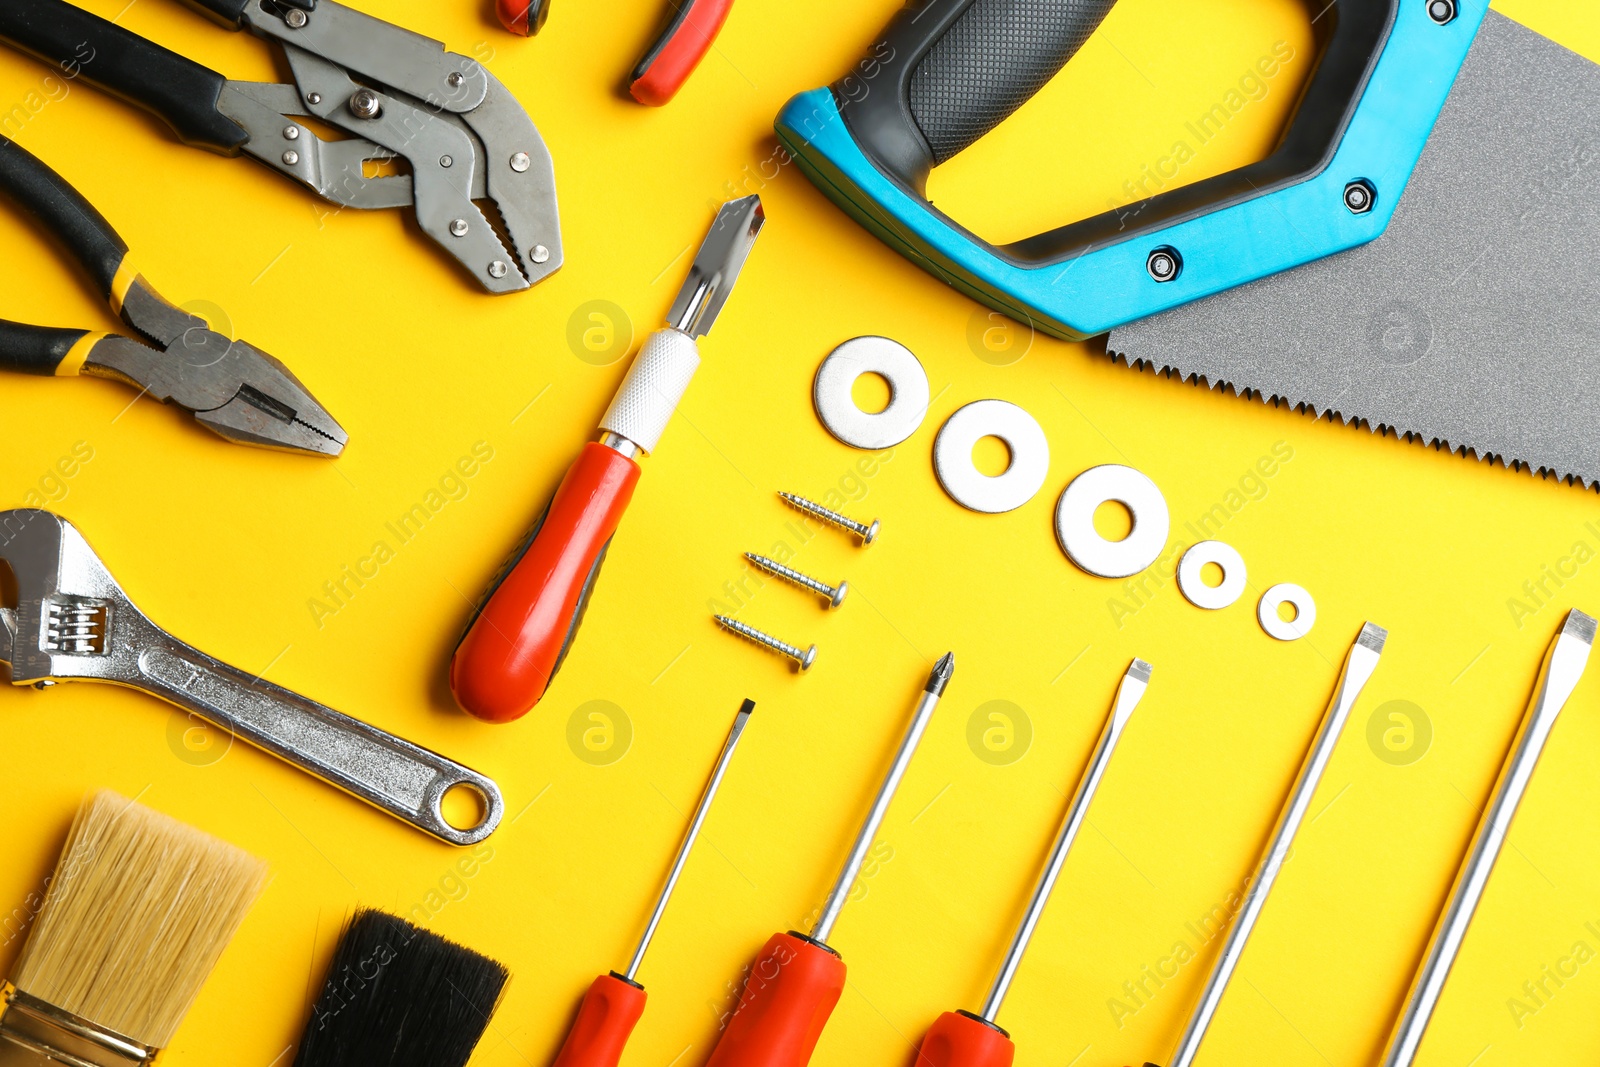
605 1020
523 17
518 640
957 1039
793 986
684 41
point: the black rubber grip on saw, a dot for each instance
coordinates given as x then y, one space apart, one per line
35 349
63 211
179 90
991 61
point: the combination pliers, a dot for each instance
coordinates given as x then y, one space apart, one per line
230 386
394 94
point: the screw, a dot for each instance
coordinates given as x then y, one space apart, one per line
1164 264
521 162
804 659
47 685
1359 196
313 99
1442 11
291 133
539 254
447 162
291 157
458 227
867 533
364 104
498 269
833 596
296 18
456 78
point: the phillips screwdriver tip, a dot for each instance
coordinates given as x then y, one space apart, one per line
940 677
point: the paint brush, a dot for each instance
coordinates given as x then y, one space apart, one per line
400 996
136 915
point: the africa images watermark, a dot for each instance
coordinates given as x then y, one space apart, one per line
450 487
1541 589
1538 991
1251 487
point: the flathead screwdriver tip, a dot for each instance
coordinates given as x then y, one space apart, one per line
747 707
1580 626
940 676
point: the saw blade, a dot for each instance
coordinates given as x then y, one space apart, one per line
1474 321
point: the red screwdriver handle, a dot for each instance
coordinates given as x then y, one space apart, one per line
517 641
957 1039
606 1019
792 989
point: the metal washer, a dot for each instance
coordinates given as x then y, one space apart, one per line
970 487
1082 542
1305 608
1193 586
908 392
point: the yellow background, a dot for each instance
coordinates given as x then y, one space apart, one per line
227 547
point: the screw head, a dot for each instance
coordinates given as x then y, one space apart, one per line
364 104
43 685
455 79
447 162
521 162
539 254
296 18
1442 11
1164 264
839 594
498 269
458 227
313 99
291 157
1359 196
809 658
291 133
872 533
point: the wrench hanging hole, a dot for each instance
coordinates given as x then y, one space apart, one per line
464 806
1113 521
991 456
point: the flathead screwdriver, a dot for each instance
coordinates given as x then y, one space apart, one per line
796 979
963 1039
612 1006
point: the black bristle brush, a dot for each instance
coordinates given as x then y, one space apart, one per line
400 996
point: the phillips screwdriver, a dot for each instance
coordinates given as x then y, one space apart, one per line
796 979
962 1039
612 1006
515 643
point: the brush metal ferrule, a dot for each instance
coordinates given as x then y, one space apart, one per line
36 1034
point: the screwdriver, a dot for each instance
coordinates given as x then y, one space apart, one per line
962 1039
515 643
796 979
612 1006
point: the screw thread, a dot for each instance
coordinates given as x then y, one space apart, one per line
827 514
767 640
772 566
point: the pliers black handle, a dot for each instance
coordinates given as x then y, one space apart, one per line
231 387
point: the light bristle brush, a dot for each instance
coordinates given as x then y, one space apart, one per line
400 996
135 917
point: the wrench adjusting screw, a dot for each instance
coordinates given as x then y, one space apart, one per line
867 532
804 658
834 596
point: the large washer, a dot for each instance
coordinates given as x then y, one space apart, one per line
908 393
1082 542
970 487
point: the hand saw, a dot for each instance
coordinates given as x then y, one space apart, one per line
1421 325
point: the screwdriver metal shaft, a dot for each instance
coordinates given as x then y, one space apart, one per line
937 681
1563 666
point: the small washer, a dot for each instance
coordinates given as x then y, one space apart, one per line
1082 542
1193 586
908 392
970 487
1305 607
